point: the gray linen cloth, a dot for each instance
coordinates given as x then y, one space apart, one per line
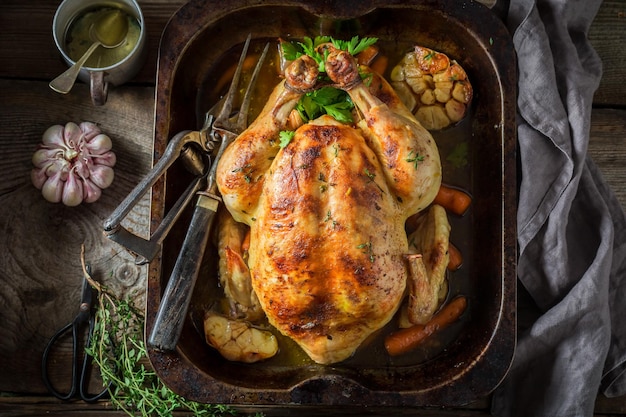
571 229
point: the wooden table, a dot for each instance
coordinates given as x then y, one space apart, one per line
40 271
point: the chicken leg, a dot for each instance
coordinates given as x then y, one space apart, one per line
404 147
240 173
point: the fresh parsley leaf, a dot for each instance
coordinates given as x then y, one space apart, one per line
308 108
342 112
367 77
355 45
322 39
290 51
308 47
328 95
285 137
326 100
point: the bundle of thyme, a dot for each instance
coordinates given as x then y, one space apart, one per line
118 350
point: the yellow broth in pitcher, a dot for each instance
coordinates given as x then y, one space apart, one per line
77 39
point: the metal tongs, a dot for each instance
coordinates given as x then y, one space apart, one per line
220 128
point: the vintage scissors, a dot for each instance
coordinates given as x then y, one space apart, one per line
84 320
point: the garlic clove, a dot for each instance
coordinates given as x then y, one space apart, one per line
43 157
38 177
99 144
72 191
91 192
90 130
53 137
58 166
83 167
107 158
102 175
52 189
72 136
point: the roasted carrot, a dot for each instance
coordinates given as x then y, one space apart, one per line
404 340
379 65
366 56
456 259
454 200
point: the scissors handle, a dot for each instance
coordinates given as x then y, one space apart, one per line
79 381
44 362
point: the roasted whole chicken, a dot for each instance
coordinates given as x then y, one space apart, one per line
328 255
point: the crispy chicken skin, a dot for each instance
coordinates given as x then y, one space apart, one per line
327 212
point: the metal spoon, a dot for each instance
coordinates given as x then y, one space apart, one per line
109 31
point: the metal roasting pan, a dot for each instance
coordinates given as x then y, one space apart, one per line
465 362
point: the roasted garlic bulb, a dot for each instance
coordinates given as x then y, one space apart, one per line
434 87
238 340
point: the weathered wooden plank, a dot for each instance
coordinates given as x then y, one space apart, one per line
35 406
40 273
607 148
608 37
610 406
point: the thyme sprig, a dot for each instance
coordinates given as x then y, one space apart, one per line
367 249
118 350
414 158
